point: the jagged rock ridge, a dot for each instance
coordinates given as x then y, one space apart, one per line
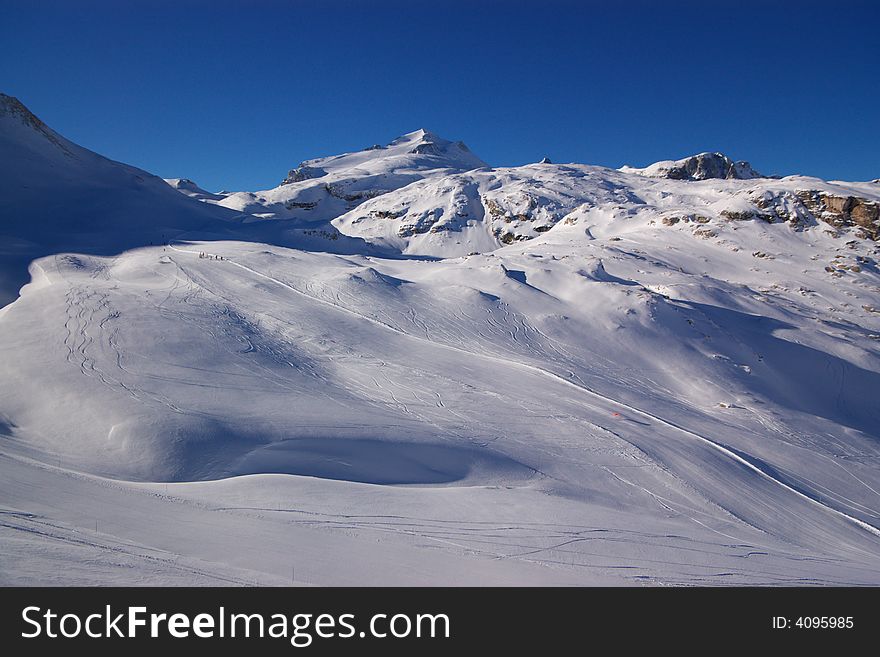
703 166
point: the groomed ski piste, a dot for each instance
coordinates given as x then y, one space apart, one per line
403 366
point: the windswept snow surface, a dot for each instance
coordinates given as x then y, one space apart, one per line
672 382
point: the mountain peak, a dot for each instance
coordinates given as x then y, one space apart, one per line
417 150
425 142
702 166
419 136
14 116
12 107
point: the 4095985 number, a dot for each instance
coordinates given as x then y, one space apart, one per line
824 622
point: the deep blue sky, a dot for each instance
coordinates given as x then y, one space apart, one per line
233 94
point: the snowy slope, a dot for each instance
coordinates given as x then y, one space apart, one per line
55 195
651 381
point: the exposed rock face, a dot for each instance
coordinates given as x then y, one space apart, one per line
434 146
497 212
671 220
844 211
746 215
710 165
703 166
302 205
420 223
303 172
426 148
808 207
338 190
385 214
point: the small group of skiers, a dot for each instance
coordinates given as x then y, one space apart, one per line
210 256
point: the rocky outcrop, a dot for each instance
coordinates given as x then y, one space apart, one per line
301 205
510 238
808 207
782 207
703 166
338 190
494 209
710 165
385 214
427 148
746 215
303 172
671 220
418 224
433 146
844 212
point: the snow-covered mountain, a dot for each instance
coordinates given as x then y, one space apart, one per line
56 195
321 189
485 209
547 374
425 195
191 189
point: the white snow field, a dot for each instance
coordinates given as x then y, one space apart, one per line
405 367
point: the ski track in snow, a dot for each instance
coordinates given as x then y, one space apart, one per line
741 459
409 367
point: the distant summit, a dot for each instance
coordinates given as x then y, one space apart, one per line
13 107
703 166
14 116
189 188
415 151
323 188
57 196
